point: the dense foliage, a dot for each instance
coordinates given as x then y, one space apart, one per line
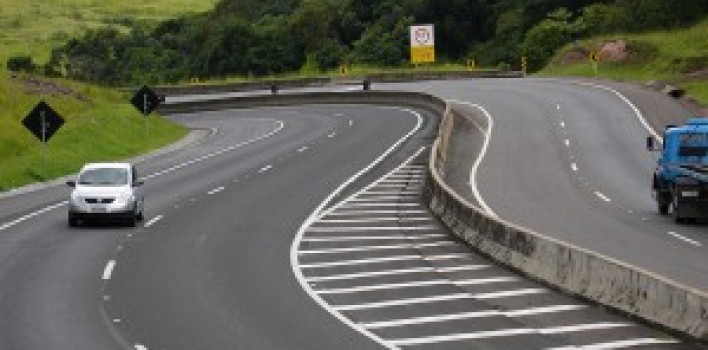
263 37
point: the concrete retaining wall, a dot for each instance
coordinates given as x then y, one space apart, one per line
575 270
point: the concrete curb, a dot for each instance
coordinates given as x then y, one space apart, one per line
575 270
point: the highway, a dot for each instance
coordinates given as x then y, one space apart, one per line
252 241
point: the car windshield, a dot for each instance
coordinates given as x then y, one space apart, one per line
693 148
104 177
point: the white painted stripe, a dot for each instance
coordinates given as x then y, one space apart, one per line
414 185
370 228
473 314
482 154
502 333
403 302
379 199
375 212
351 122
319 211
574 167
686 239
332 135
216 190
108 270
401 181
439 282
153 221
31 215
140 347
264 169
558 107
567 143
603 197
375 248
413 270
375 219
374 238
562 124
510 293
391 193
384 260
302 149
620 344
365 205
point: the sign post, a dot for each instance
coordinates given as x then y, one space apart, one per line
146 101
43 122
595 58
422 44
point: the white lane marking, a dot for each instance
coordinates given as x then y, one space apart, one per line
365 205
370 261
294 256
302 149
375 212
373 238
371 228
140 347
351 122
403 302
620 344
280 127
482 155
603 197
574 167
473 314
332 135
562 124
216 190
438 282
375 219
377 199
376 248
33 214
510 293
153 221
504 333
567 142
558 107
401 181
265 168
108 271
685 239
414 270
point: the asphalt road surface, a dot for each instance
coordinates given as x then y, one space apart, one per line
251 241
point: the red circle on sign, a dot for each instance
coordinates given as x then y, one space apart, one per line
422 35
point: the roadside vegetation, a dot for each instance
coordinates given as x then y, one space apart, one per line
678 57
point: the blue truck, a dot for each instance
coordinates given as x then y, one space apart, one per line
680 180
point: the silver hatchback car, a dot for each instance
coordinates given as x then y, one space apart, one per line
106 191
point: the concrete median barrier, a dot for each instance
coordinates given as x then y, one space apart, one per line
574 270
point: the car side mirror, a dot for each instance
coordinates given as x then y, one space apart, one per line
71 183
138 183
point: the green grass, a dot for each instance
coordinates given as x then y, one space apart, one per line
666 56
33 27
100 126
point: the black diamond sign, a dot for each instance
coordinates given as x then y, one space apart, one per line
145 100
43 121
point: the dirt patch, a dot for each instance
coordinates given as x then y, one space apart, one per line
37 86
575 55
699 74
614 51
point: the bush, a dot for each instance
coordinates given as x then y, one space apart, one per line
21 64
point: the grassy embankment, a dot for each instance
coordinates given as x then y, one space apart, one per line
100 124
667 56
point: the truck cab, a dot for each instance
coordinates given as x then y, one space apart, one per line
680 180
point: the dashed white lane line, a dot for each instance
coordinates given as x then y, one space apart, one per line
506 333
428 283
108 271
562 124
302 149
140 347
621 344
265 169
377 248
31 215
567 142
473 314
603 197
425 269
357 262
685 239
332 135
372 238
574 167
351 122
216 190
154 221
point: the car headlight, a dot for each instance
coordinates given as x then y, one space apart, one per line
124 199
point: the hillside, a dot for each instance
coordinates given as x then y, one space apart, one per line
679 57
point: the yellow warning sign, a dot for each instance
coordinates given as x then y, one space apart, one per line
422 54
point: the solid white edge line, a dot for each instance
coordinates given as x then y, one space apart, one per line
685 239
294 257
154 221
31 215
482 155
108 271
